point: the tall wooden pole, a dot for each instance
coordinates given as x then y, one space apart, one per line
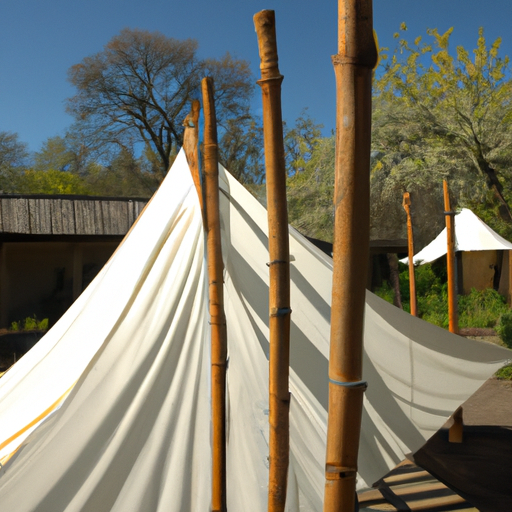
453 313
410 246
357 56
279 266
216 295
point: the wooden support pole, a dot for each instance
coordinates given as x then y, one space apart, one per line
279 266
77 270
410 246
509 294
191 148
453 314
216 295
357 56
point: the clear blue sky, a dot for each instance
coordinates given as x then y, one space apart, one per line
41 39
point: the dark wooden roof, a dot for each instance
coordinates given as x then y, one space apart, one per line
67 214
376 246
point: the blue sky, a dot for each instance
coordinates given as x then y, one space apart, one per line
41 39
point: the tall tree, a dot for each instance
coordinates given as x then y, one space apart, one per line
124 175
241 150
66 153
442 116
13 158
138 90
310 206
300 142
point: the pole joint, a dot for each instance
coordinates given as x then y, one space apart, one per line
333 472
270 79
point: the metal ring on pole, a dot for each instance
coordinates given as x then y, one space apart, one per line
280 311
356 384
275 262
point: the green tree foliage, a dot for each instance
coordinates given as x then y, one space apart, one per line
51 181
300 143
61 154
442 116
125 175
13 158
310 192
138 91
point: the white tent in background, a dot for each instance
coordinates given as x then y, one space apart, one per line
471 234
133 352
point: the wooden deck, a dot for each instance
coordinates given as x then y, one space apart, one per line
472 474
410 488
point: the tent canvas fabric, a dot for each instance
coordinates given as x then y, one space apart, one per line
132 356
471 234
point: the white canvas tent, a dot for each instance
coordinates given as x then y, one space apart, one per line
471 234
133 353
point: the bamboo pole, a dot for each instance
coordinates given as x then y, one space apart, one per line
357 56
410 246
279 266
453 314
216 295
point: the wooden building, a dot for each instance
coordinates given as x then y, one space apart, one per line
51 247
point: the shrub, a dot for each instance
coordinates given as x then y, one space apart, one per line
481 308
504 328
505 373
30 324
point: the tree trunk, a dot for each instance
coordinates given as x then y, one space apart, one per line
494 184
394 279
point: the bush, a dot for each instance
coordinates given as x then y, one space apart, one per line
504 373
504 328
481 308
30 324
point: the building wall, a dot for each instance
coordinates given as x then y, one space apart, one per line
481 270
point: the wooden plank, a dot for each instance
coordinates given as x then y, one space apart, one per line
8 216
40 216
119 217
56 216
84 217
407 477
16 215
105 210
68 217
432 503
98 218
115 217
